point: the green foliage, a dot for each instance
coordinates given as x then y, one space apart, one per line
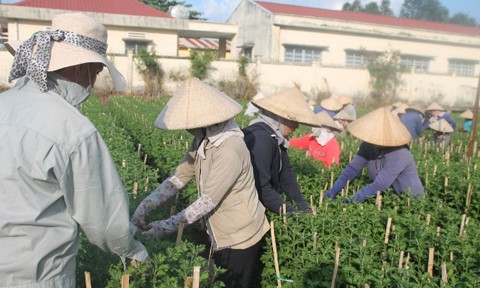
151 71
462 19
200 63
385 76
243 87
429 10
371 8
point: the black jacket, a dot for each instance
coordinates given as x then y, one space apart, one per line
272 170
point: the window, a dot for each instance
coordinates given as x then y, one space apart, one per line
461 67
415 63
135 45
356 59
303 54
3 37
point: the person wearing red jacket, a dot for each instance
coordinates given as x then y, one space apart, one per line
321 143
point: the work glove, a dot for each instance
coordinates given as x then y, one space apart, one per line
162 228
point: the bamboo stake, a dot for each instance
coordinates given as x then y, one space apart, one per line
88 282
462 224
196 277
379 201
320 202
407 261
431 254
400 261
125 281
135 188
284 208
348 186
138 149
444 272
331 180
275 255
181 226
428 219
335 268
387 230
438 231
446 184
124 163
315 234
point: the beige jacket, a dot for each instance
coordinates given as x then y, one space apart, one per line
225 175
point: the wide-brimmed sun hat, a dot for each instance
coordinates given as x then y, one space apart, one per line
441 125
344 100
196 104
467 114
380 127
289 104
74 39
434 107
331 104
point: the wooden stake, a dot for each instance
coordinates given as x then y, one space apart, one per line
275 255
335 268
431 254
462 224
138 149
387 230
124 163
428 219
135 188
407 261
444 272
88 282
315 241
181 226
196 277
125 281
379 201
400 261
346 189
320 202
331 180
284 208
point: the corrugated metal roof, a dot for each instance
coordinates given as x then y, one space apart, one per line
199 43
368 18
125 7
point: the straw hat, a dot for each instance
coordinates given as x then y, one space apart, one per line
434 107
380 127
331 104
344 100
66 55
401 108
398 103
417 108
196 104
289 104
347 113
467 114
327 121
441 125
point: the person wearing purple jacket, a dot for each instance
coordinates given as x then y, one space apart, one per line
413 120
386 153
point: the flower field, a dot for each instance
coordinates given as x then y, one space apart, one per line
387 241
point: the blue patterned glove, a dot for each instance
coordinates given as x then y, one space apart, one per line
348 174
362 195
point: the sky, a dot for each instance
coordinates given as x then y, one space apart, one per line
220 10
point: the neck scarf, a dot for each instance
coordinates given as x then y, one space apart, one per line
218 133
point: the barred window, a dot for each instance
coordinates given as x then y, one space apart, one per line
303 54
461 67
356 59
415 63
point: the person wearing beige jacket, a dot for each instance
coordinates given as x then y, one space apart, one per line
220 162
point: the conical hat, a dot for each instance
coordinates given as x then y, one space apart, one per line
401 108
196 104
344 100
380 127
331 104
441 125
434 107
347 113
289 104
327 121
398 103
467 114
417 108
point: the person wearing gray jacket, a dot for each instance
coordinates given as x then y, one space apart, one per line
57 175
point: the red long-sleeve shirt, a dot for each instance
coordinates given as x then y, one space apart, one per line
328 154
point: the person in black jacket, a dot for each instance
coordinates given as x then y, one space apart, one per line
267 139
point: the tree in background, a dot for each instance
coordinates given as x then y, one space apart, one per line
371 8
428 10
201 63
163 5
151 71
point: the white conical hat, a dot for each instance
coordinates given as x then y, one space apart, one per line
417 108
348 113
196 104
331 104
380 127
441 125
434 107
467 114
289 104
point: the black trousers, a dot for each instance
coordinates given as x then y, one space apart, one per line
240 265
